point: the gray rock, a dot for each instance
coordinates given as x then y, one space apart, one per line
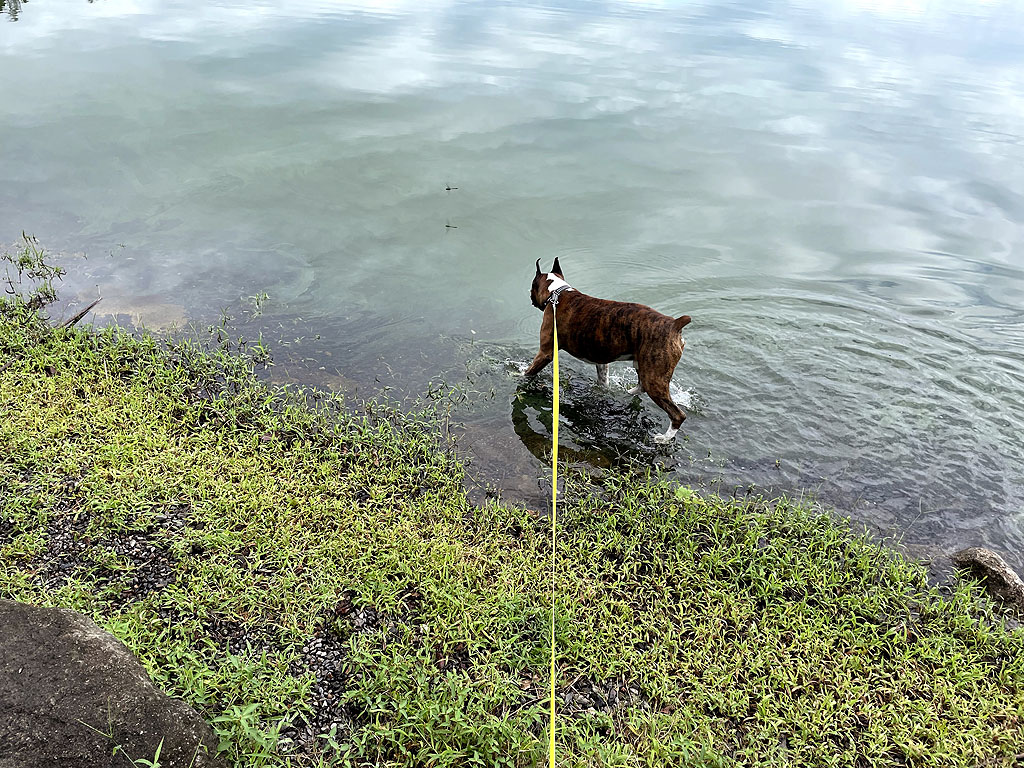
73 696
999 578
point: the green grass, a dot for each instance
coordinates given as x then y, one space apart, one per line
217 527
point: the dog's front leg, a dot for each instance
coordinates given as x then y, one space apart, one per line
541 360
546 352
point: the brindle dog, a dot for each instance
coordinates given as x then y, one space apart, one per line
600 331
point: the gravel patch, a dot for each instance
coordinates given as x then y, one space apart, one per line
71 552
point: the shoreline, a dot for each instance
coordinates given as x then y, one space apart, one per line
925 527
320 560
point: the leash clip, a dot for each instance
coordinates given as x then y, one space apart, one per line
553 298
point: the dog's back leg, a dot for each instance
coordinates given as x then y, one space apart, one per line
655 374
602 375
661 397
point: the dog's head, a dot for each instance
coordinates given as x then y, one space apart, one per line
544 283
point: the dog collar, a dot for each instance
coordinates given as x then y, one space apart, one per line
553 297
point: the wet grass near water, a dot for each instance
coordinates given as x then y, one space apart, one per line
309 575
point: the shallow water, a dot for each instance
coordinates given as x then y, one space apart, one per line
833 191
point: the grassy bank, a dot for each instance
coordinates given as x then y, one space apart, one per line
313 580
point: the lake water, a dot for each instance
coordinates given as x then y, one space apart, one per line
833 190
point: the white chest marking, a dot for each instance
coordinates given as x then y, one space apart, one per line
556 282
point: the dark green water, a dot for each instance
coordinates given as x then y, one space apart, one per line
834 191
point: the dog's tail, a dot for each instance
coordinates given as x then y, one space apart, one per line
681 322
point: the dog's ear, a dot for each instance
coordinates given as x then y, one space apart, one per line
538 266
556 269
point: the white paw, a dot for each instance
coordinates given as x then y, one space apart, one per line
634 391
665 438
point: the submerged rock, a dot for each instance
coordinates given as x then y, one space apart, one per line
999 578
72 695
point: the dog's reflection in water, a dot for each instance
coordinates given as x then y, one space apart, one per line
597 430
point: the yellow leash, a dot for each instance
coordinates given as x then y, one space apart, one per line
554 522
